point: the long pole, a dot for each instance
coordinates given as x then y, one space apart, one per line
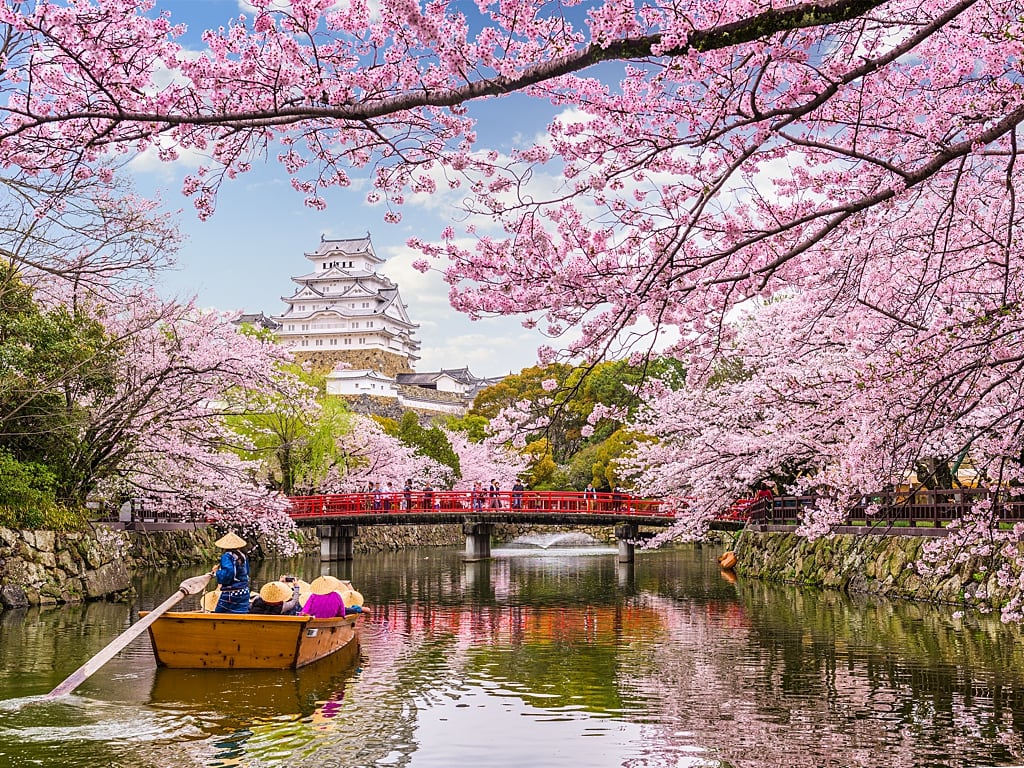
192 586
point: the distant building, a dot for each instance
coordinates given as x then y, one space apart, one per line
458 381
258 320
352 382
445 391
345 311
348 320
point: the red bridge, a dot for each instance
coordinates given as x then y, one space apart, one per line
337 516
417 507
932 509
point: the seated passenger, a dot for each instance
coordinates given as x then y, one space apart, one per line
277 598
325 600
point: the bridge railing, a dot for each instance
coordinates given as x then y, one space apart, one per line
931 508
470 502
899 508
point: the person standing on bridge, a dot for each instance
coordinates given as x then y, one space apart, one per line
477 497
495 494
407 496
517 494
590 496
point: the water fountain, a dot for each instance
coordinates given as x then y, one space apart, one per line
558 540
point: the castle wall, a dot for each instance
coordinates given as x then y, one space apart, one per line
382 361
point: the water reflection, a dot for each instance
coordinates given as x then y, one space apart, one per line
557 659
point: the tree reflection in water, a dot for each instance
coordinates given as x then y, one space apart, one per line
549 660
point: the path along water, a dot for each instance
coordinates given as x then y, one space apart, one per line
540 658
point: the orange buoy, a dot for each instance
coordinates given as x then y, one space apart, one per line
727 560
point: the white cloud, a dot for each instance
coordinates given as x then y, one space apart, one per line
285 5
149 162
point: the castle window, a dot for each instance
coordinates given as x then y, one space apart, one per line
334 342
348 341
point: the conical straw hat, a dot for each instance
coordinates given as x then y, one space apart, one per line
357 598
210 600
230 541
275 592
323 585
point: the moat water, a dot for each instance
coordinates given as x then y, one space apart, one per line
539 657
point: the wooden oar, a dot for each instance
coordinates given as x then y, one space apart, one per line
191 586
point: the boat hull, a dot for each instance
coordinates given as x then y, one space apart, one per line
194 640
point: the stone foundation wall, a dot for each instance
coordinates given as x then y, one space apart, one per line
47 567
882 565
382 361
384 538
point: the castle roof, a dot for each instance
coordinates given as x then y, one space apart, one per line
352 246
257 319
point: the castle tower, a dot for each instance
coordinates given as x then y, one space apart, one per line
344 310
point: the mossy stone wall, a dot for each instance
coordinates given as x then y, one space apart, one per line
882 565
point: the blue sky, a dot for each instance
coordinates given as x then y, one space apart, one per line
244 256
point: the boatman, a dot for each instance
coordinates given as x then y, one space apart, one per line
232 575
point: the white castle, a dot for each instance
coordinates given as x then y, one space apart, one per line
348 320
345 304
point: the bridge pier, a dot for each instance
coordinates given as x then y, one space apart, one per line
478 540
626 533
336 542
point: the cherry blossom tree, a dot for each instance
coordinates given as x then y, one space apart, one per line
366 453
84 225
857 157
143 393
165 429
484 461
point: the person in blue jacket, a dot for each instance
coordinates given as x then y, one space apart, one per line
232 575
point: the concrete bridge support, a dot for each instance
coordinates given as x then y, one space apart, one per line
336 542
478 540
626 533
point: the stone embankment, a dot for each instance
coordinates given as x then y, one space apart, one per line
48 567
881 565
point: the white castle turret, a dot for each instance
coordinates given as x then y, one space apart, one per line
345 311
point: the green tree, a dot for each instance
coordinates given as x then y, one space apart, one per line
568 451
52 362
426 441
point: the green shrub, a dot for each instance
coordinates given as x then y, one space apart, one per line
27 497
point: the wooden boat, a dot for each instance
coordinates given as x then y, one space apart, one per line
269 692
195 640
